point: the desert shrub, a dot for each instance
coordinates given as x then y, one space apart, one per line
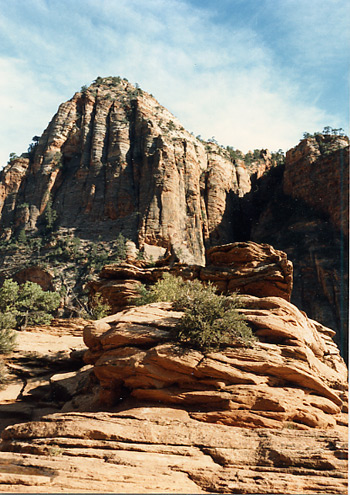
169 288
99 308
26 304
7 340
210 320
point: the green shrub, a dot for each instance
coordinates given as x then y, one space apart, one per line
99 308
27 304
169 288
50 217
7 340
210 320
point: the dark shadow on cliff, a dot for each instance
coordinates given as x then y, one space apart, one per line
318 251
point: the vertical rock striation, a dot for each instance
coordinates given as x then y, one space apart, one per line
113 160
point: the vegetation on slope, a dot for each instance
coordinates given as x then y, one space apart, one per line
210 320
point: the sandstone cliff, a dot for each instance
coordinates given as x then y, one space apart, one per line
303 209
113 160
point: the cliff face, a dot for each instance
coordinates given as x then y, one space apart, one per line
113 160
317 172
303 209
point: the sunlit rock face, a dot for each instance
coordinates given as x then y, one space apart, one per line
113 160
293 372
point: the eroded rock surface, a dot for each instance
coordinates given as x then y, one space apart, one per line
161 449
37 372
292 374
246 267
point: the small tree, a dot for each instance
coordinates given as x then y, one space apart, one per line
27 304
120 248
50 216
12 157
22 238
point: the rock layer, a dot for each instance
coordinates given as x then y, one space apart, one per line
162 449
292 374
246 267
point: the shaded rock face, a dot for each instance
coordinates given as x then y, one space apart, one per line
11 178
320 179
35 274
302 209
113 160
293 375
163 450
246 267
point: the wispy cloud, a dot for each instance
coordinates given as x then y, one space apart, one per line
220 79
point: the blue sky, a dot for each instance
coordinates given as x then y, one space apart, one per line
251 73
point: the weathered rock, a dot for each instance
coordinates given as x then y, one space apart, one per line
292 374
245 267
249 268
10 182
41 356
161 449
300 210
35 274
324 163
113 160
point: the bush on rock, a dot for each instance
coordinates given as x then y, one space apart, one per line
209 321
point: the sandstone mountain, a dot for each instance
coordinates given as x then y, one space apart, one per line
114 161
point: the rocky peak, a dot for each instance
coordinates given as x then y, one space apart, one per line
114 160
311 148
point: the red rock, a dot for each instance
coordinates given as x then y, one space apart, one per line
293 374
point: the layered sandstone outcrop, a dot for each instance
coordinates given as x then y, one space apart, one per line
246 267
163 450
269 418
292 375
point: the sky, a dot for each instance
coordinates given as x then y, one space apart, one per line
250 73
